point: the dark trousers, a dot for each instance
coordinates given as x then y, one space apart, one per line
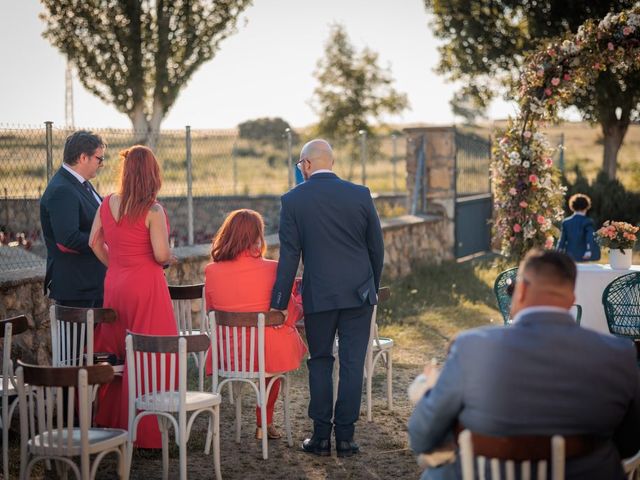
353 326
94 303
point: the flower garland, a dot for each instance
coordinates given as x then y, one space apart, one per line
527 191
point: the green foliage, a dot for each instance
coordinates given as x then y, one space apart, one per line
267 130
486 43
138 54
609 199
353 89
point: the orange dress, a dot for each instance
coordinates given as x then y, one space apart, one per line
244 285
135 287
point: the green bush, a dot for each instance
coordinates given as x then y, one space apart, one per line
609 199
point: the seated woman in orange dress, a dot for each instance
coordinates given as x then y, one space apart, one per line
240 280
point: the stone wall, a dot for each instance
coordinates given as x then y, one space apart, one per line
23 215
409 241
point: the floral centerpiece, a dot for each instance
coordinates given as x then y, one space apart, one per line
619 238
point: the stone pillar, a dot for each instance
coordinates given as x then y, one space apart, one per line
437 191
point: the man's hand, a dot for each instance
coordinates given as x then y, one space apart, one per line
587 255
284 313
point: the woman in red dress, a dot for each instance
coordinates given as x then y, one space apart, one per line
130 236
241 280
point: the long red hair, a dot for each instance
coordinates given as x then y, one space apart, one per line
241 231
140 181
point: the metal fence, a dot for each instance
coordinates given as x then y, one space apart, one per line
473 159
206 174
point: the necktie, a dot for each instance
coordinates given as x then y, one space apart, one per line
87 185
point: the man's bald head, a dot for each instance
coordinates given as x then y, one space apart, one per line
316 155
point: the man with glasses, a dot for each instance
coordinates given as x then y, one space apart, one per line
334 226
544 375
74 277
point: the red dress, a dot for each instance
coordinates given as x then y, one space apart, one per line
135 287
244 285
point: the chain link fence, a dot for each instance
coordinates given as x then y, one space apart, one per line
206 174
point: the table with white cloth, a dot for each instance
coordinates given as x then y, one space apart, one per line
592 279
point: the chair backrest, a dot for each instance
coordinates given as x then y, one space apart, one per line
479 453
8 328
72 333
621 302
238 342
152 363
45 411
182 297
500 286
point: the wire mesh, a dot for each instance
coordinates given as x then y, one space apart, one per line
228 172
473 158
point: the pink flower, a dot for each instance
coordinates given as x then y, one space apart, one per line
610 46
566 77
540 73
552 101
548 244
512 239
517 228
548 92
533 178
555 81
551 52
512 191
548 161
524 204
596 66
504 140
627 30
540 219
527 134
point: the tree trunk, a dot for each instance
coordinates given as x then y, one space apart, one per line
614 133
140 125
154 125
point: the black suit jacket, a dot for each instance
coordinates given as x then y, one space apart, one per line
334 225
67 210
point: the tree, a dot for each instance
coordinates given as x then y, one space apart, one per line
138 54
353 89
486 42
267 130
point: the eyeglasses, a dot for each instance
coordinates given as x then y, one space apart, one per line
299 163
100 159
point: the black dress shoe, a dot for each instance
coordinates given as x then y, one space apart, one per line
346 448
317 446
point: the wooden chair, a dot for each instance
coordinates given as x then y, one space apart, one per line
43 432
8 328
379 348
237 339
182 297
151 366
503 289
495 452
72 334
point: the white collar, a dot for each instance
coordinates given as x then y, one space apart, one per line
322 170
539 309
78 177
580 213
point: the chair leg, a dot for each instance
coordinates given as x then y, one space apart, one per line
5 419
287 413
164 433
263 422
237 394
389 381
230 392
369 384
182 443
124 466
216 441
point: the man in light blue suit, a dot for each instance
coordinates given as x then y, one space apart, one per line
543 375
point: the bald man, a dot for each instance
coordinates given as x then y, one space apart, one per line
334 225
542 376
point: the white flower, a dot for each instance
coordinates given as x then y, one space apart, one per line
525 164
514 156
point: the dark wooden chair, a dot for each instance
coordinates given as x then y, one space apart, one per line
48 397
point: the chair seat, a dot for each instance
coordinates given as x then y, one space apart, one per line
168 401
99 439
383 343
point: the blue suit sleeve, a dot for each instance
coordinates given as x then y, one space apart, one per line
437 412
562 243
64 212
289 257
375 242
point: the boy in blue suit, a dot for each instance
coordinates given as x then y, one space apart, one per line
577 238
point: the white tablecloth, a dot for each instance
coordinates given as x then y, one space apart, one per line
592 279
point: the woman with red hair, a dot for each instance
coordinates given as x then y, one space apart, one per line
130 235
241 280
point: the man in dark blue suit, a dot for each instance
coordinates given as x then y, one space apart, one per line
577 238
74 277
334 225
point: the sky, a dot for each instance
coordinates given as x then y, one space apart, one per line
264 70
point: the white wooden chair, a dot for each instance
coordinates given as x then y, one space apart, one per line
379 349
475 457
8 328
631 467
72 334
152 362
44 433
238 339
182 298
